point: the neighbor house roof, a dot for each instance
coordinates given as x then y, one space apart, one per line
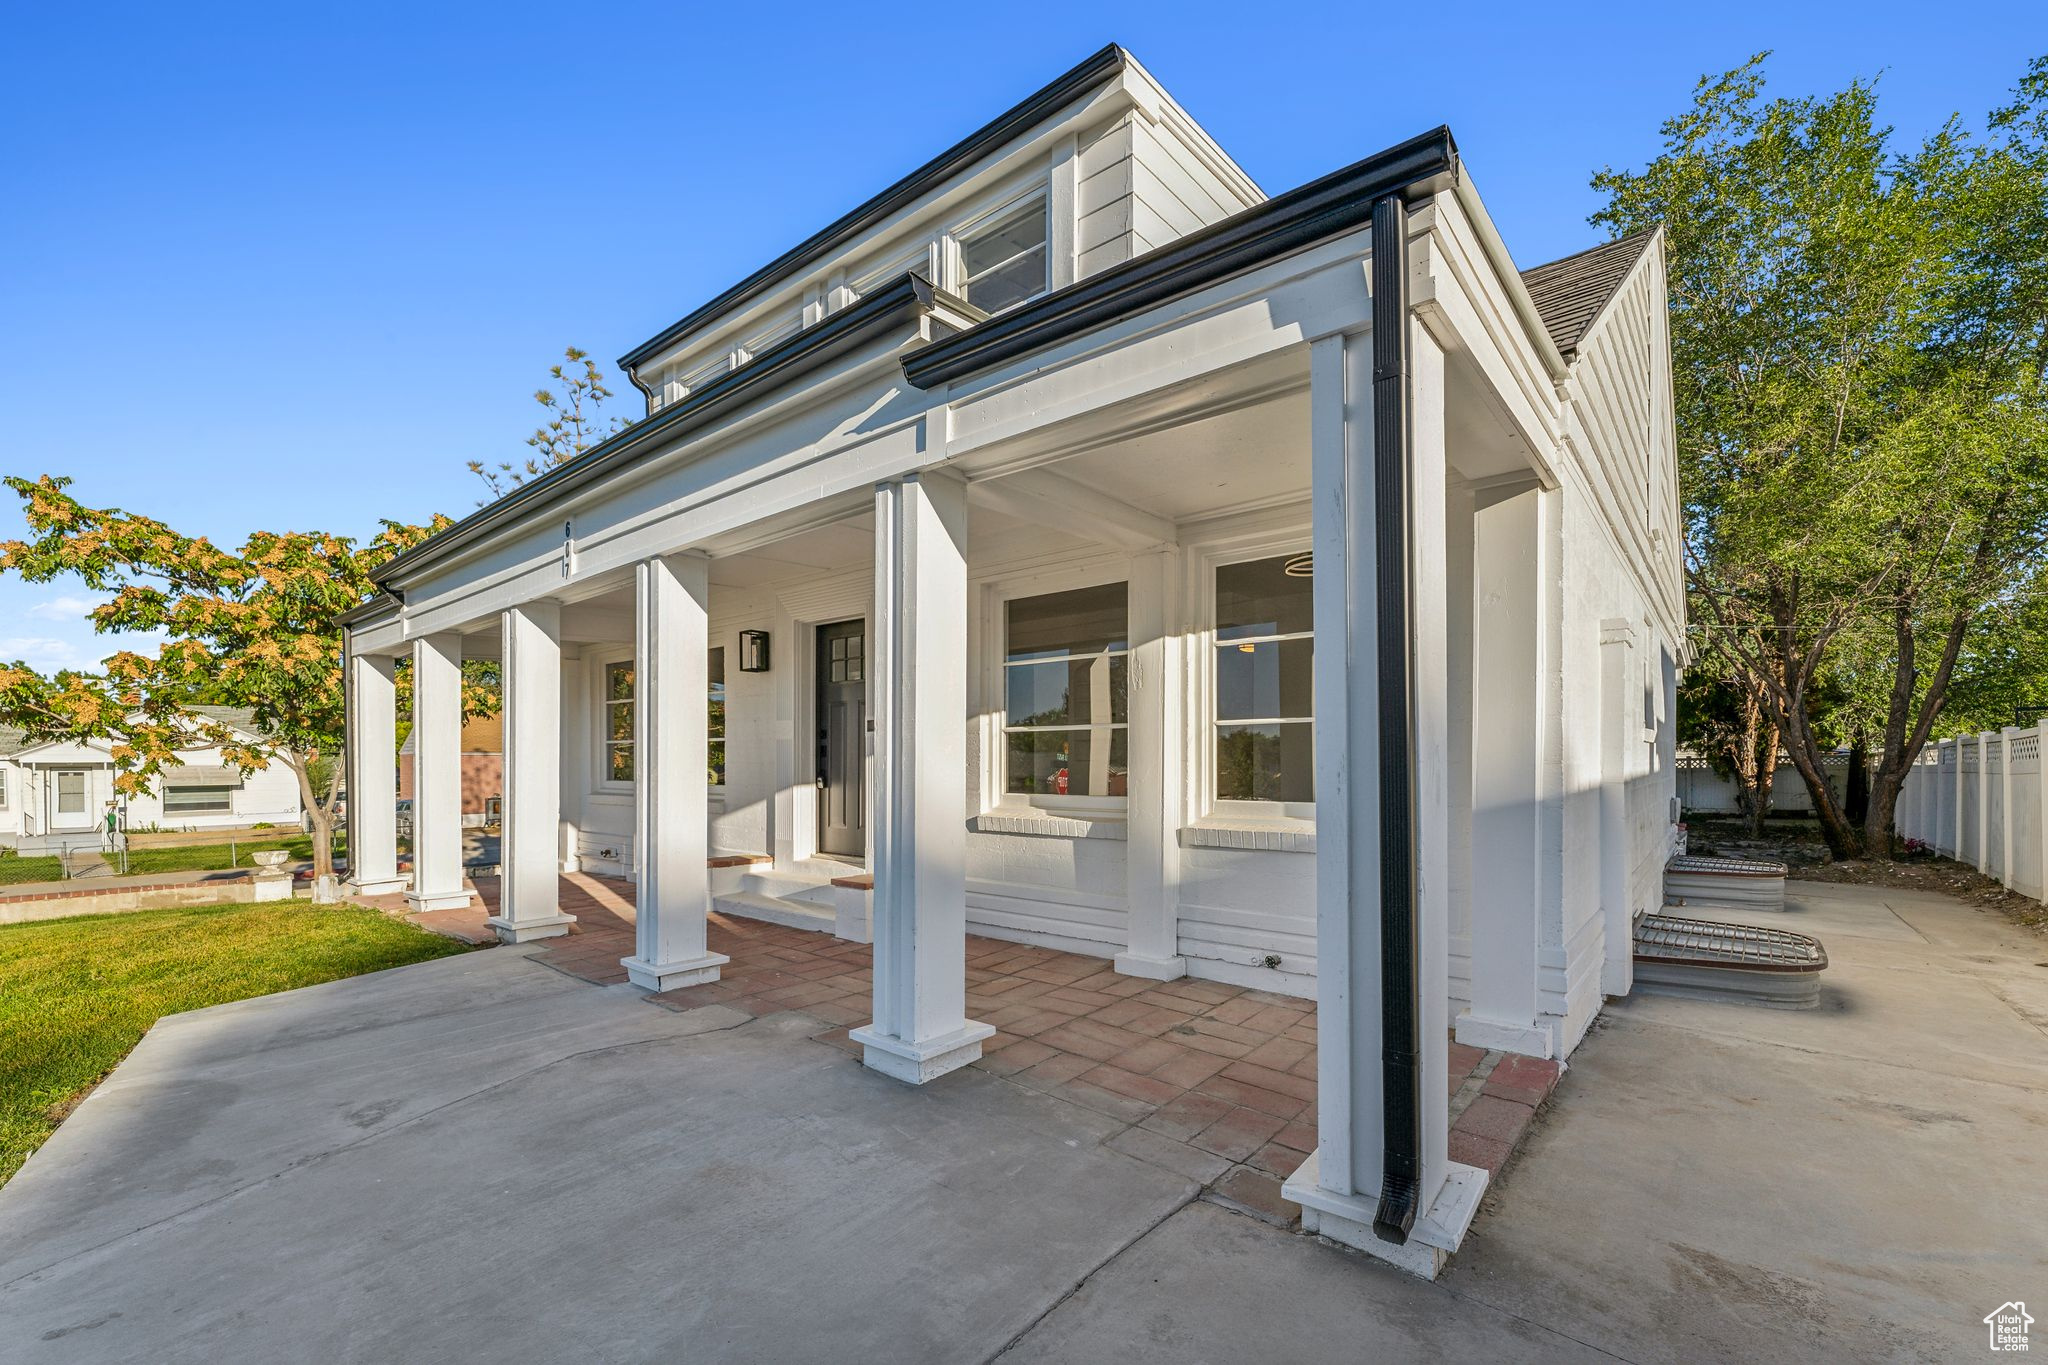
241 717
1570 293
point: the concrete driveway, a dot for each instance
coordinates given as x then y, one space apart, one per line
482 1157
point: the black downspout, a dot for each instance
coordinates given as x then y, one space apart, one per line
1401 1181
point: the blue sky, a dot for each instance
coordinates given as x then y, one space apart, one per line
294 266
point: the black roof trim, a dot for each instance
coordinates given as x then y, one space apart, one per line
813 346
1093 72
1325 208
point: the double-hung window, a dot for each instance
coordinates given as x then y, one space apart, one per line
1264 674
1065 693
618 721
716 749
1003 262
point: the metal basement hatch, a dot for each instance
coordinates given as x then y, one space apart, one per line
1747 884
1735 962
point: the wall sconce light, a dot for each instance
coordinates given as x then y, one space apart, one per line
753 651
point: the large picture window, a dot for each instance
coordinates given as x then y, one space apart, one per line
198 800
716 748
1065 693
618 721
1003 262
1265 655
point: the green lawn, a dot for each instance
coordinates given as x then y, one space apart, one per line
215 857
15 870
77 994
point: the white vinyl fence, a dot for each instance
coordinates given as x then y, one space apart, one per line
1703 791
1978 799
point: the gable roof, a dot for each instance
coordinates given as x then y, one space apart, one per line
1570 293
14 741
1096 71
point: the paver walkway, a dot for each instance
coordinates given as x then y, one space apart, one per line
1219 1082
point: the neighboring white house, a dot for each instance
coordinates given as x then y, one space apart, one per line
1084 541
60 792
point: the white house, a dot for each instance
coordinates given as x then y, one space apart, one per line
1280 590
59 792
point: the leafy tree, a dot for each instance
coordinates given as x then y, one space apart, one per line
574 424
1859 335
254 628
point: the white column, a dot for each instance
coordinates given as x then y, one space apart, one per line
437 774
1459 504
1510 669
671 784
1155 691
373 775
530 903
1339 1186
918 828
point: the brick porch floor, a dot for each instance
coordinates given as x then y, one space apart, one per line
1216 1082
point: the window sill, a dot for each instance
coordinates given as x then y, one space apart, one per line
1260 836
1047 825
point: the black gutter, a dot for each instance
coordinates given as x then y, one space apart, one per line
1095 71
1401 1097
1338 203
838 333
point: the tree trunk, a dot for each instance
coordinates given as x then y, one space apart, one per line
1856 791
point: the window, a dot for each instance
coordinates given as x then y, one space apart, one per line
3 789
1265 654
198 800
70 793
1003 262
717 745
1066 707
618 721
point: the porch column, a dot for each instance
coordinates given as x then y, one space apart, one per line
1340 1185
1509 670
530 903
671 787
1154 789
437 774
372 776
918 701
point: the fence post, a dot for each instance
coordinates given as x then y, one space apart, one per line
2005 737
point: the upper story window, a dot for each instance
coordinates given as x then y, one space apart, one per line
1003 261
1065 693
1265 679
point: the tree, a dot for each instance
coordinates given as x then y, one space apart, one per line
1858 353
254 629
574 424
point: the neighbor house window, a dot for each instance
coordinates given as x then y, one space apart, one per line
1003 261
3 789
717 745
618 721
1065 676
198 800
1265 653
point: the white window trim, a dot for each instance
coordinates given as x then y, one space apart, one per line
729 654
600 663
993 650
954 263
1209 810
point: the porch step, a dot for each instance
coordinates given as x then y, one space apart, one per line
785 910
1741 883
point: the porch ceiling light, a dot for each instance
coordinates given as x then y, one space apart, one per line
753 651
1302 565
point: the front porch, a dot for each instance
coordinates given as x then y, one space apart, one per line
1217 1082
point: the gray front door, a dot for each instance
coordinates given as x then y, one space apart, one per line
842 738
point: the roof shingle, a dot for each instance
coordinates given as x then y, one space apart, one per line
1570 293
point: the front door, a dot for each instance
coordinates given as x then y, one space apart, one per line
70 802
842 738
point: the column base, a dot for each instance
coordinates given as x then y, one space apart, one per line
1527 1039
1347 1218
276 887
916 1063
527 930
670 976
439 900
377 886
1151 968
